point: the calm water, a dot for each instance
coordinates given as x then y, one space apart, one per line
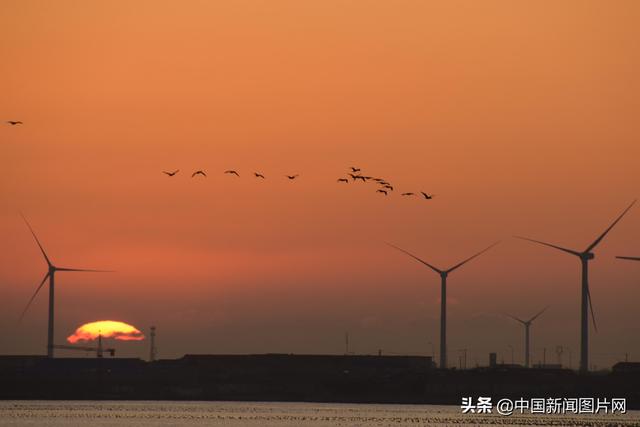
237 414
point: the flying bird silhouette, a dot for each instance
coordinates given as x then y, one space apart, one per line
355 169
232 172
14 122
343 180
258 175
171 173
198 173
382 191
427 196
408 194
388 186
292 176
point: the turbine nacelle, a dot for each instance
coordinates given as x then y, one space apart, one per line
587 256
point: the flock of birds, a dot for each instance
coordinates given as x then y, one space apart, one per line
355 174
229 172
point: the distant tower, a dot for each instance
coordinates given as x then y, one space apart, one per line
100 351
493 360
463 357
346 343
152 349
559 351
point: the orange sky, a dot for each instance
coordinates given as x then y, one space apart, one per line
521 117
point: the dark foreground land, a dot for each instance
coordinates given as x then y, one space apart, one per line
354 379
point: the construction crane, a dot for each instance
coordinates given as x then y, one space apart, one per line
99 350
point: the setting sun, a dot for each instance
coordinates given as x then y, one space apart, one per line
108 329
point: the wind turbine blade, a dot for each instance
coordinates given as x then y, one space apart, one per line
46 276
84 270
37 241
515 318
569 251
593 316
539 313
630 258
470 258
595 243
437 270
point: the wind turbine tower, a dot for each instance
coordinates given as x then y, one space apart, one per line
585 256
51 273
443 296
527 325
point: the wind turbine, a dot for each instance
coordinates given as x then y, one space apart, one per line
443 296
584 256
51 272
629 258
527 325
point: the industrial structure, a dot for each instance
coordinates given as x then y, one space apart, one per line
99 350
